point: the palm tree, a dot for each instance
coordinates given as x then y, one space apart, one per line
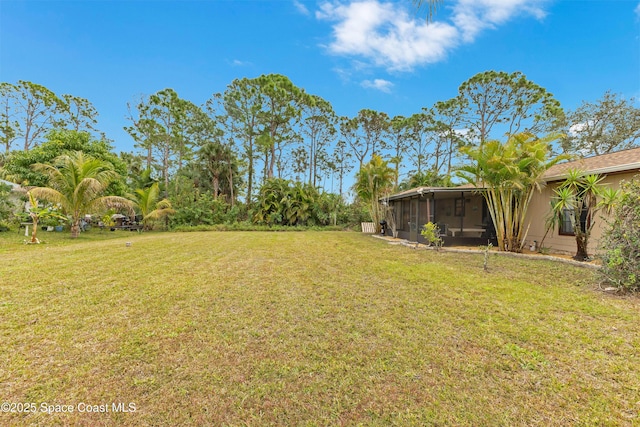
215 160
76 184
142 179
152 209
429 178
509 174
37 213
372 182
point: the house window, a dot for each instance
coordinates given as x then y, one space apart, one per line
566 227
458 207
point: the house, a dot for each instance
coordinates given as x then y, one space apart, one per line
15 205
16 191
462 215
615 167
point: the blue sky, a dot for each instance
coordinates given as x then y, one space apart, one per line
355 54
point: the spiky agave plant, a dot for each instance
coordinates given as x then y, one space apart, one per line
582 196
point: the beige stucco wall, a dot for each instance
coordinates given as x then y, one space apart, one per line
539 210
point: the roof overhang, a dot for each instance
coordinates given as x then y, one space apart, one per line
423 191
629 167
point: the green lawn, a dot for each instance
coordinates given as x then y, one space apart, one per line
307 328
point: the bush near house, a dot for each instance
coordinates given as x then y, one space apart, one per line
620 244
431 232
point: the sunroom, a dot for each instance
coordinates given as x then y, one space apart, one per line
460 212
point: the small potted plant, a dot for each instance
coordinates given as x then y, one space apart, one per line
107 220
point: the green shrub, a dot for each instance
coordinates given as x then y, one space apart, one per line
431 233
620 245
7 207
354 214
204 210
283 202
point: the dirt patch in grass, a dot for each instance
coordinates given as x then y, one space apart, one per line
251 328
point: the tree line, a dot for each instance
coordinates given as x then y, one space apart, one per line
266 128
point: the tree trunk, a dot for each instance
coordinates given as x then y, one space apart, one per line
272 161
581 242
216 185
397 173
165 171
34 232
311 161
231 194
26 137
249 181
75 228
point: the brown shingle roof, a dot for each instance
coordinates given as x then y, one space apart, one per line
626 160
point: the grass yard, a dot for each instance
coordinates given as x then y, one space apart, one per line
307 328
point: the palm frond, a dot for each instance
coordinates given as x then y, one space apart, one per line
51 196
158 213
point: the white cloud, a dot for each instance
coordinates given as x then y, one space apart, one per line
378 84
576 128
343 74
637 10
387 36
300 7
239 63
473 16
